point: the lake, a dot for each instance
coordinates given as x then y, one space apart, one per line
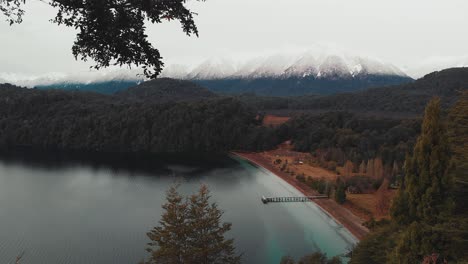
59 208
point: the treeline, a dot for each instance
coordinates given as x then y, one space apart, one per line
56 119
404 99
340 136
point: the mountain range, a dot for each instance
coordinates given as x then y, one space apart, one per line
281 75
319 73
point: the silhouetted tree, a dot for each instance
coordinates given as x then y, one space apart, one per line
113 32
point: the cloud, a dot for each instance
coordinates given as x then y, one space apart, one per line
91 76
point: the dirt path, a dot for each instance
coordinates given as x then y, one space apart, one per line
338 212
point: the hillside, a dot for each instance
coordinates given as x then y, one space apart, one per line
72 120
106 87
164 90
409 98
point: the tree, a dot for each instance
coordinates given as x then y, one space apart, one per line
348 168
427 181
340 193
424 200
169 239
207 241
191 231
362 168
113 32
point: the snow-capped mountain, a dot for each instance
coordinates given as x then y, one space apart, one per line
284 66
282 74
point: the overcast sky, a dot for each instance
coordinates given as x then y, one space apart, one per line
407 33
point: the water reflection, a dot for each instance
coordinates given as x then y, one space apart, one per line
70 208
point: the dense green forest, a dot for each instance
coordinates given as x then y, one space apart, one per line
88 121
342 136
429 221
165 90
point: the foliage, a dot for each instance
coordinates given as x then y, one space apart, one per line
342 136
340 193
56 119
320 185
425 224
427 182
314 258
113 32
375 247
402 100
12 10
190 231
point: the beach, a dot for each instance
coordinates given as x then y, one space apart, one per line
342 215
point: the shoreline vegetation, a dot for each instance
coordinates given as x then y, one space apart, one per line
340 214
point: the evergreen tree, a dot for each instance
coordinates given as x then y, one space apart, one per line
190 231
169 240
340 193
207 241
424 198
427 181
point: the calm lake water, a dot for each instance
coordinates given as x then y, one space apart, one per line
59 209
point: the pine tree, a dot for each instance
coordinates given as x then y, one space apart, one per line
190 231
427 180
208 244
424 197
169 239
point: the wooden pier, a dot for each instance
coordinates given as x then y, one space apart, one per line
266 200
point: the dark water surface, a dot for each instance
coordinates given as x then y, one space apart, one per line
60 209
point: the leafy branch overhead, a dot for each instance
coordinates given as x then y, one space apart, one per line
113 32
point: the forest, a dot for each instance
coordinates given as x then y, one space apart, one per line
55 119
428 216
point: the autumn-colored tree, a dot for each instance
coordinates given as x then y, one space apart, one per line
191 231
362 168
370 168
378 168
383 202
348 169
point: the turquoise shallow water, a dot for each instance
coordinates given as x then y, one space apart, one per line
58 211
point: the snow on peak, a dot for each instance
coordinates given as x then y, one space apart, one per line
215 68
308 64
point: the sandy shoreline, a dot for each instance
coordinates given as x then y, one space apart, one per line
342 215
